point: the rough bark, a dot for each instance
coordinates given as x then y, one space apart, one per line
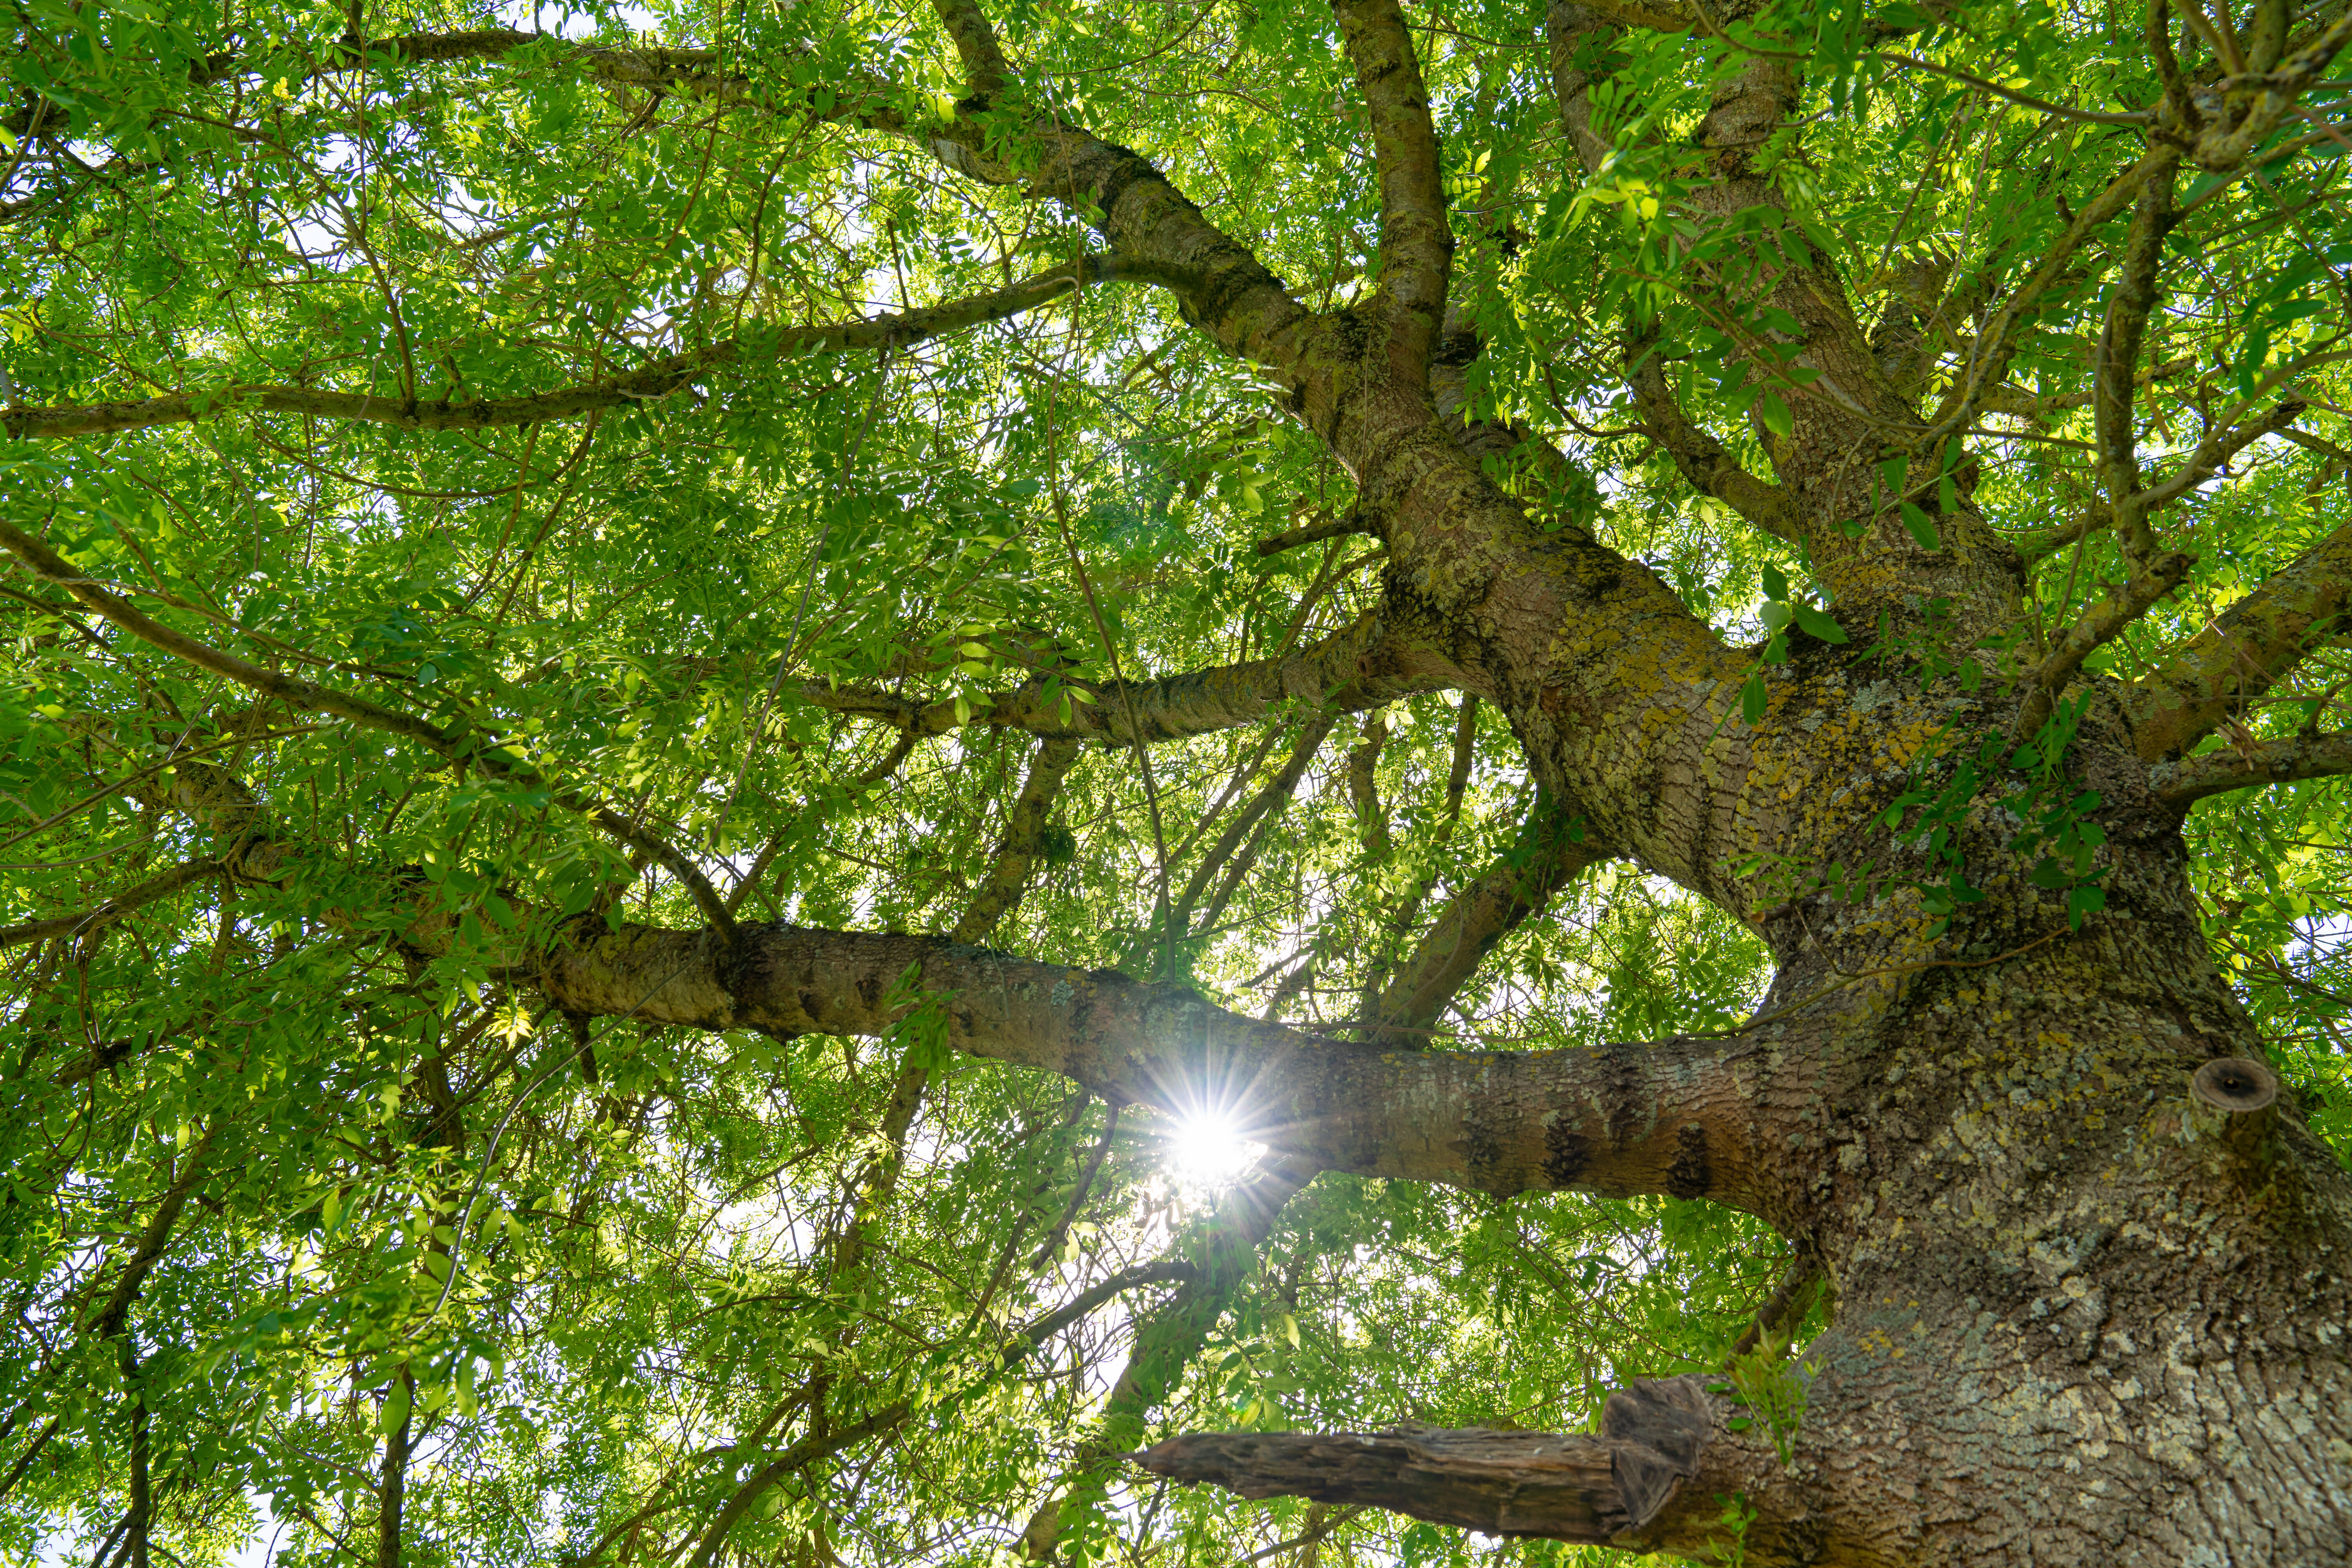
1363 665
1025 830
1546 857
2307 755
1592 1489
1646 1118
2246 648
2085 1316
2086 1313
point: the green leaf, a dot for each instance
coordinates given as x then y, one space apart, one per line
396 1407
1814 623
1922 527
1752 700
1776 416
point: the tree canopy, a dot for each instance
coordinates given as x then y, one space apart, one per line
506 509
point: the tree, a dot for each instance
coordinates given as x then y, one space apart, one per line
672 690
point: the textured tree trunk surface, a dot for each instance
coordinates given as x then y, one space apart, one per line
2089 1268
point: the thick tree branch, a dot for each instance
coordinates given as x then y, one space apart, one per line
1648 1473
2117 362
2099 624
985 70
1699 457
876 1184
1675 1117
1461 549
2253 105
1154 229
1549 853
2308 755
1577 38
657 380
1024 833
114 909
1848 403
1933 303
1363 665
2246 648
1416 243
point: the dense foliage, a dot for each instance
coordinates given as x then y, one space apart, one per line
302 1172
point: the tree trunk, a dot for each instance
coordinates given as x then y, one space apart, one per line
2092 1305
2090 1271
2091 1302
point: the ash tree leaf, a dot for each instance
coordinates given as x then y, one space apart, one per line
1922 527
1815 623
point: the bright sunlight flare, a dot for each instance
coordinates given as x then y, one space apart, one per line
1207 1147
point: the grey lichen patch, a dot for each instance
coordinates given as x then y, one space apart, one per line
1877 694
